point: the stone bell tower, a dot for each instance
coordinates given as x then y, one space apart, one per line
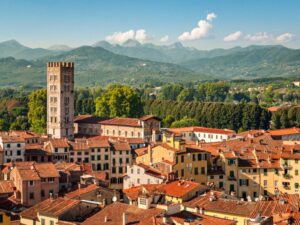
60 99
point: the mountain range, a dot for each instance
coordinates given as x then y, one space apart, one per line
133 62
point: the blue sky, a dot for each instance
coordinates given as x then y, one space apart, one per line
204 24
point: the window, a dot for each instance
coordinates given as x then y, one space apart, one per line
56 150
138 171
196 172
265 172
138 181
182 172
276 171
43 222
120 169
221 184
42 193
1 218
105 157
202 170
127 160
18 145
19 152
182 158
231 161
51 222
8 145
31 183
194 157
296 161
31 195
221 177
50 179
120 160
265 183
114 170
296 172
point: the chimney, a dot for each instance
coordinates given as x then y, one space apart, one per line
105 219
124 219
150 154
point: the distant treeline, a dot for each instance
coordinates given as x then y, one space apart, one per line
286 117
239 117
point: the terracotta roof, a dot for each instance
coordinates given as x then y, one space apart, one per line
59 143
196 219
82 191
45 170
6 187
52 207
94 143
12 139
274 108
134 192
79 146
201 129
152 171
121 146
130 122
89 119
180 188
141 151
286 131
65 166
147 117
36 171
113 214
222 205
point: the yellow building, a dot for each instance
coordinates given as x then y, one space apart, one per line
190 161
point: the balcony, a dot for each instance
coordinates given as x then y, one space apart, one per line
231 178
287 176
286 166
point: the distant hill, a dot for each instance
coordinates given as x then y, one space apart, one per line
133 62
250 62
93 66
12 48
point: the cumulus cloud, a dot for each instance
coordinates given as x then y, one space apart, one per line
286 37
164 39
201 31
211 16
258 37
120 37
233 36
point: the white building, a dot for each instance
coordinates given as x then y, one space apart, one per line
12 148
142 174
203 134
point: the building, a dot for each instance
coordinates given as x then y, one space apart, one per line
287 134
57 150
34 182
12 148
122 214
60 99
187 161
139 174
203 134
147 128
88 125
57 211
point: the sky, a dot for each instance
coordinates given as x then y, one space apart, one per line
203 24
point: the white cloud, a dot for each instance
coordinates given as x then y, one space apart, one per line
286 37
211 16
201 31
164 39
120 37
233 36
258 37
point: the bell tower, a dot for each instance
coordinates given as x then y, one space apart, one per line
60 99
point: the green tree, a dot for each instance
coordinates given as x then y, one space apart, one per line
37 114
119 101
168 120
184 122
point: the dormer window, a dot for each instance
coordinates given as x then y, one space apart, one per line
31 183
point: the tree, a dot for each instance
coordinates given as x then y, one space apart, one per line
37 114
119 101
168 120
185 122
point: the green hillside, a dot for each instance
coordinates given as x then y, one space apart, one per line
93 66
253 62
